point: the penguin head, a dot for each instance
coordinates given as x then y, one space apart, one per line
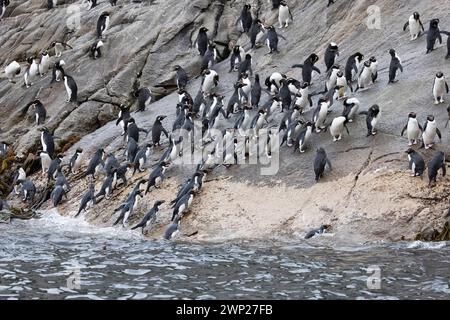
161 118
416 15
434 23
165 164
309 125
340 74
61 63
44 53
131 120
206 72
247 7
176 67
412 115
430 118
367 63
79 150
410 151
283 3
236 49
314 58
30 60
60 157
333 46
203 30
439 75
158 203
321 150
359 56
305 85
373 59
53 44
392 52
248 57
99 44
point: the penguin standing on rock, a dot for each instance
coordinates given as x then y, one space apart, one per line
415 26
144 97
46 160
202 41
96 49
3 5
141 158
47 141
123 117
396 64
31 72
430 130
352 67
448 43
413 129
181 77
433 34
75 161
95 163
304 137
88 199
337 127
246 18
173 230
210 81
320 161
40 112
157 130
272 40
126 209
59 47
256 93
351 107
57 195
372 118
435 164
331 53
157 176
308 67
132 130
183 204
284 15
257 33
58 71
440 88
150 217
416 162
102 24
12 70
45 63
71 88
28 189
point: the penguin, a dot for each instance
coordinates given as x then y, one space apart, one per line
236 57
12 70
181 77
95 162
3 5
216 108
354 63
372 118
294 85
320 161
258 121
448 43
435 164
173 230
39 109
71 88
234 104
111 163
413 129
337 127
150 217
96 51
246 18
330 2
92 4
292 132
75 161
396 64
4 148
273 82
46 160
113 3
59 47
243 121
20 175
285 95
131 150
320 114
102 24
195 183
157 130
351 107
303 98
246 65
44 64
183 205
331 53
430 130
57 195
308 67
416 162
256 93
272 40
210 57
127 208
31 72
304 137
415 26
141 158
433 34
107 187
182 113
257 33
132 130
245 90
210 81
58 71
28 190
374 68
144 98
202 41
88 200
47 141
121 174
332 78
157 176
440 88
284 15
365 77
275 4
61 180
123 117
51 4
55 165
323 228
342 84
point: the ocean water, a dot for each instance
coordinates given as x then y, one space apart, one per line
64 258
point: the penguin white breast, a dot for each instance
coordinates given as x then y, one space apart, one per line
283 13
414 26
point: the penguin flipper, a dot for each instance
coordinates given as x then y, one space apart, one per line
404 128
438 132
118 219
298 66
406 26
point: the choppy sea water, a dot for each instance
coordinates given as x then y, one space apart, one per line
62 258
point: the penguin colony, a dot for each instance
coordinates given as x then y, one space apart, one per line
301 121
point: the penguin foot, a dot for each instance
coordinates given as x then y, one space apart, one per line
436 102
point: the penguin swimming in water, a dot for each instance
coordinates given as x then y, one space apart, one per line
304 137
415 26
3 5
88 200
435 164
440 88
96 51
245 18
323 228
413 129
71 88
430 130
396 64
102 24
433 34
75 161
416 163
173 230
372 118
47 141
331 53
123 117
337 127
12 70
157 130
320 161
39 109
58 71
31 72
144 96
59 47
95 163
150 217
181 77
44 64
202 41
284 14
308 67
